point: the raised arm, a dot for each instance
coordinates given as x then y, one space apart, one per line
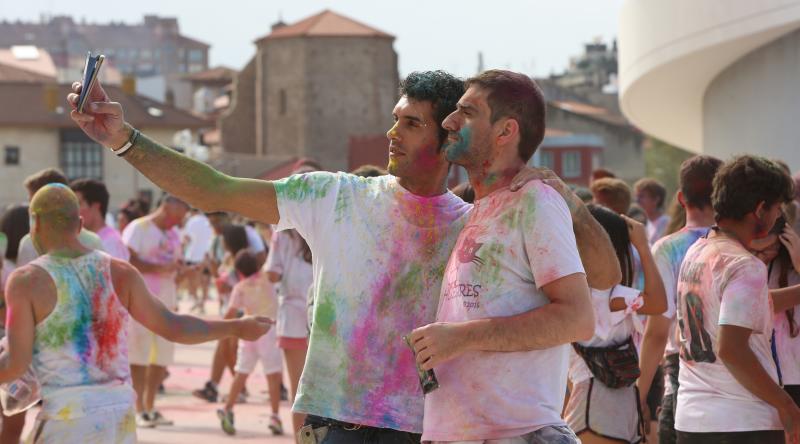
184 329
567 318
594 246
195 182
654 294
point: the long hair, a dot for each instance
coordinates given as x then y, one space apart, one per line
784 262
304 251
617 230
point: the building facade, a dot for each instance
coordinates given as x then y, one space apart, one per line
311 87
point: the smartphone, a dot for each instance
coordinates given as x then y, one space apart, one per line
90 71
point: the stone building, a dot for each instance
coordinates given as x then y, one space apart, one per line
311 88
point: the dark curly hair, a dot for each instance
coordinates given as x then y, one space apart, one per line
743 182
438 87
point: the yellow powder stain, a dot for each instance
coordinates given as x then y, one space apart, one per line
127 427
65 413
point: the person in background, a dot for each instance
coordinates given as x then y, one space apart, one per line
254 295
197 237
27 252
780 250
729 388
651 196
93 197
14 225
601 173
677 215
154 244
597 412
612 193
128 213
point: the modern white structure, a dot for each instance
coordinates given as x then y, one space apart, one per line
720 77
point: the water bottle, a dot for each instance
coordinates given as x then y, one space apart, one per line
20 394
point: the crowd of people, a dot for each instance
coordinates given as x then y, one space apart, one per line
513 309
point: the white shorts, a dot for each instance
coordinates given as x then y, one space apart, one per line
264 349
147 348
606 412
110 426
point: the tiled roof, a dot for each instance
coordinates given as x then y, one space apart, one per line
591 111
33 99
216 74
326 24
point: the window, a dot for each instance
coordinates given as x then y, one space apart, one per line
283 102
571 164
546 159
196 55
194 67
12 155
82 160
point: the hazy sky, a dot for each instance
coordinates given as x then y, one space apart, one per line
534 36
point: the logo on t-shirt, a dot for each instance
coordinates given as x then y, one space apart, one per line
468 252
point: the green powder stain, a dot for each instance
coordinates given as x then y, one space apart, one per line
302 187
409 284
342 204
489 272
510 219
325 312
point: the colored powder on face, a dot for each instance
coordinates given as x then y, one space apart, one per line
460 148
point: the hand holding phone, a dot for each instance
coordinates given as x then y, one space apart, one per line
90 71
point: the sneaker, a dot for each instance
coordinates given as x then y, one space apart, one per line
275 425
159 419
209 392
144 421
241 399
226 421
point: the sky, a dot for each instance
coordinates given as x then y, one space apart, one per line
536 37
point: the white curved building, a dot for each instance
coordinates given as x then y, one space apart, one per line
720 77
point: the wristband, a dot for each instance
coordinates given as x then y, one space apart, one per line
128 145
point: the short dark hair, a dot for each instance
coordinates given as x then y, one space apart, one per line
369 171
46 176
743 182
93 191
234 238
246 262
697 180
515 96
440 88
652 187
602 173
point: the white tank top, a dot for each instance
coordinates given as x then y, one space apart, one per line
82 344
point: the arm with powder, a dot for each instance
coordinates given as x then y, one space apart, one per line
184 329
194 182
594 246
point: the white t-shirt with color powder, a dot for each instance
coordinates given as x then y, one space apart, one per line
112 243
513 244
155 246
721 283
379 255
